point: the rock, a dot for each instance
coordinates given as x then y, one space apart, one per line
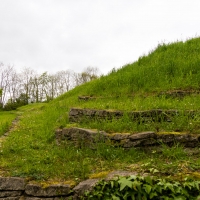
142 135
79 115
140 143
165 138
115 174
86 137
84 186
80 136
50 191
11 198
129 144
148 142
74 111
119 136
12 183
10 193
178 93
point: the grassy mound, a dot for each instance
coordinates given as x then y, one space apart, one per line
31 150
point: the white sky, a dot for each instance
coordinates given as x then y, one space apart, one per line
54 35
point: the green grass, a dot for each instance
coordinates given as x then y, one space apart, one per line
168 67
6 119
31 150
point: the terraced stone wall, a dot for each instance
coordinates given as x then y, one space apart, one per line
14 188
79 115
89 138
128 140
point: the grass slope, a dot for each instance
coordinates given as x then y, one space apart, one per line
31 150
6 119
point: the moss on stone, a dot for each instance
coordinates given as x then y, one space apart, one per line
45 184
196 175
171 132
99 175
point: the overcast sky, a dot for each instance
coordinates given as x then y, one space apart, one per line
54 35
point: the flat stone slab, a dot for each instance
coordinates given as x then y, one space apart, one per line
88 138
79 115
78 135
12 183
10 193
11 198
50 191
142 135
85 186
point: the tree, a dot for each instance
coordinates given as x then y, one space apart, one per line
27 76
28 86
64 80
1 105
14 86
88 74
5 72
43 92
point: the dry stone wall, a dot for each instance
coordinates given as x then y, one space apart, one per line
80 115
126 140
14 188
89 137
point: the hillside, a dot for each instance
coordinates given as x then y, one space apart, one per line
168 67
168 78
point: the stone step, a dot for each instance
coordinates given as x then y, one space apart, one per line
89 138
81 115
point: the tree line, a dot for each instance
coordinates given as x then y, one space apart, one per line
17 89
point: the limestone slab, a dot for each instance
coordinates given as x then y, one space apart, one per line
12 183
50 191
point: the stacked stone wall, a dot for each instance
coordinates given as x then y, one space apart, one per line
89 138
80 115
14 188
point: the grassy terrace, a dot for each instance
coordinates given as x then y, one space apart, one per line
31 151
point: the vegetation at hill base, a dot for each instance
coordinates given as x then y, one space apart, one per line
18 89
144 188
31 151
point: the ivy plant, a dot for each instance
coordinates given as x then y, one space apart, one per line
144 188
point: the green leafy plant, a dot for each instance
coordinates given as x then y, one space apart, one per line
144 188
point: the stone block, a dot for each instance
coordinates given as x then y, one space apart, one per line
50 191
11 198
10 193
84 186
119 136
12 183
142 135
